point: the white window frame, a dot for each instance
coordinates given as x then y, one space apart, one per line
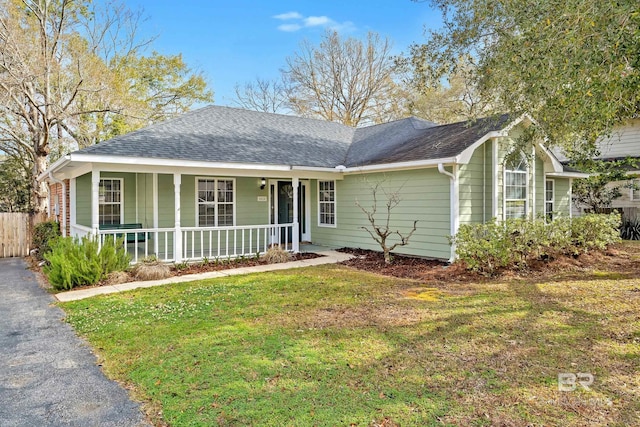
548 214
101 201
334 202
216 203
635 182
524 172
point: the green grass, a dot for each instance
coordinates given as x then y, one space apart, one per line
329 346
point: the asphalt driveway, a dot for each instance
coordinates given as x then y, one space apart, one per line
49 376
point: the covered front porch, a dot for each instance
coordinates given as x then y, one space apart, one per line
191 213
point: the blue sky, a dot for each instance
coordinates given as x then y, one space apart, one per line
235 41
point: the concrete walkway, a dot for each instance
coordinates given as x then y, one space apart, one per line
328 257
48 376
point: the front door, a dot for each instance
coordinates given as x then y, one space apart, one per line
282 208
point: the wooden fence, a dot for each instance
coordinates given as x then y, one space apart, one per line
16 230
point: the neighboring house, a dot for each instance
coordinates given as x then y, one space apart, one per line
623 143
224 182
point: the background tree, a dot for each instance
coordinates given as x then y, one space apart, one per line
608 178
67 70
449 99
267 96
572 64
342 80
15 185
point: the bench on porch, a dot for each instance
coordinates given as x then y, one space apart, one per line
130 237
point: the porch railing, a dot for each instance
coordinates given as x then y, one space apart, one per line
198 242
233 242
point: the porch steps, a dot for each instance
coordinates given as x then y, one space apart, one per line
328 257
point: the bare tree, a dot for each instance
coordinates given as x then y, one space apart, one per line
341 80
268 96
61 73
382 232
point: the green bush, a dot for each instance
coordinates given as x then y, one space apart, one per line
43 234
515 243
74 262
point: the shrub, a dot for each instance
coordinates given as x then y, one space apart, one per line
515 243
630 229
43 234
276 254
74 262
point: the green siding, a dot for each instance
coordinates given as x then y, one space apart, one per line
562 196
424 197
473 188
166 209
83 200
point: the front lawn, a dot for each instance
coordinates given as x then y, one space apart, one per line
331 346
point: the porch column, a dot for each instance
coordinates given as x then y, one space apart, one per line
95 201
177 240
155 213
295 233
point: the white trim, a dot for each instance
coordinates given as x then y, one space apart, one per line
417 164
454 194
496 175
215 203
526 174
177 239
137 200
553 197
533 184
307 210
570 198
335 204
295 232
72 202
95 200
154 189
576 175
122 196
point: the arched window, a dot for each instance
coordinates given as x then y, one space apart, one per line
515 187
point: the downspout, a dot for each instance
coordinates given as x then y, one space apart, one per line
63 222
454 193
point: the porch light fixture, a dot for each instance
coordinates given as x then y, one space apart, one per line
263 183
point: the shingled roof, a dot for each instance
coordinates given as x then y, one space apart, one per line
231 135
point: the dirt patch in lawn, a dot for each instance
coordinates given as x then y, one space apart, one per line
620 261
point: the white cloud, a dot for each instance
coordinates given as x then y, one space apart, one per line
288 15
289 28
301 22
314 21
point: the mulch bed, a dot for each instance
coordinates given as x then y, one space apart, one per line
620 258
199 267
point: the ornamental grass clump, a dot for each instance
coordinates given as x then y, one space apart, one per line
276 255
151 269
72 262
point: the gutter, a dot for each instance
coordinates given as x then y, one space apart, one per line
64 201
454 193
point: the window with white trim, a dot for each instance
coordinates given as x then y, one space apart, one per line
110 209
549 191
635 190
515 188
327 203
216 202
